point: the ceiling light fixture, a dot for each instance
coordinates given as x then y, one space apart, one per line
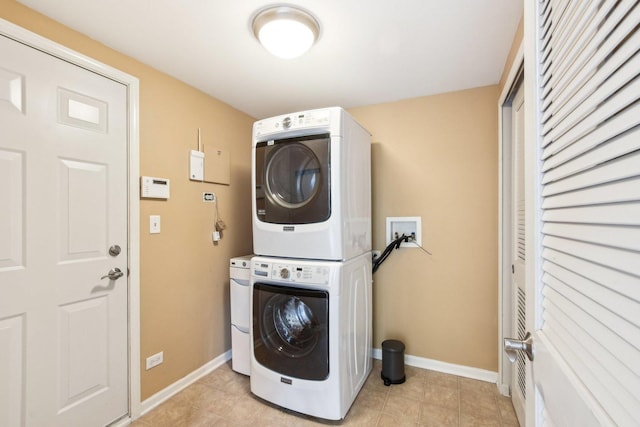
285 31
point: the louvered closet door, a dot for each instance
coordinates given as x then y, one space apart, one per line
587 167
518 243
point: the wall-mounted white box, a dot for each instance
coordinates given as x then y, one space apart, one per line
409 226
154 188
196 166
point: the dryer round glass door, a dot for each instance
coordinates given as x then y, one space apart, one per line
293 175
292 180
290 330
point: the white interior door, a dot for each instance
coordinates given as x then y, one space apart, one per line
63 168
582 168
518 258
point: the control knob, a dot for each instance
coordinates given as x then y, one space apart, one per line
286 123
284 273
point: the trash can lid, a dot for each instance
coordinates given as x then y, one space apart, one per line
392 345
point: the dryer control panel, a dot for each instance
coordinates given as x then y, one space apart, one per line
293 273
290 122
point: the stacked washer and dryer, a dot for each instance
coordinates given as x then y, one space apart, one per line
310 281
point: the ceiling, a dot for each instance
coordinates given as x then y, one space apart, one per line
369 51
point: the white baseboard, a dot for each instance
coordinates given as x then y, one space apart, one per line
447 368
183 383
418 362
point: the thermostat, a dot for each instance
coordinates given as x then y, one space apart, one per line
154 188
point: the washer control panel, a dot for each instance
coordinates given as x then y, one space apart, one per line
294 273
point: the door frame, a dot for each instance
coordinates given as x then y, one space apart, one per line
38 42
505 296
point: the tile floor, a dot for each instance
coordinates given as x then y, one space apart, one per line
427 398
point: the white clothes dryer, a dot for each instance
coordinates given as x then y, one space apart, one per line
311 333
311 186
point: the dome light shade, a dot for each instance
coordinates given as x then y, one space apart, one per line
285 31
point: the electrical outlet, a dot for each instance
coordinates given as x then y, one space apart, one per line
208 197
155 360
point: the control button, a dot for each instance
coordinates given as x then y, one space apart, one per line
284 273
286 123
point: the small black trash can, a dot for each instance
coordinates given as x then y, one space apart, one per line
392 362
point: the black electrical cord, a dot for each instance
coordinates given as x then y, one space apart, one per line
387 251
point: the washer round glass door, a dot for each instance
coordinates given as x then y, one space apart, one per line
295 325
293 175
291 330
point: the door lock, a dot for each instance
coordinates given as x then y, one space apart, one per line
114 250
113 274
513 346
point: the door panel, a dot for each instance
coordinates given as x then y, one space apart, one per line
63 155
11 370
12 210
83 216
84 342
11 90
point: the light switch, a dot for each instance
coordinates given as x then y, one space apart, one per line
154 224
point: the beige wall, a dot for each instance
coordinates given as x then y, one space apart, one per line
437 157
184 277
434 157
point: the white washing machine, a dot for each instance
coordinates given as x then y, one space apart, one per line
311 186
311 333
239 296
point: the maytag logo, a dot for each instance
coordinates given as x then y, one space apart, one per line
285 380
288 228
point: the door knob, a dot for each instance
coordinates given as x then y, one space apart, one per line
513 346
113 274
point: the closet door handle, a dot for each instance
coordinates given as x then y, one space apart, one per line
513 346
